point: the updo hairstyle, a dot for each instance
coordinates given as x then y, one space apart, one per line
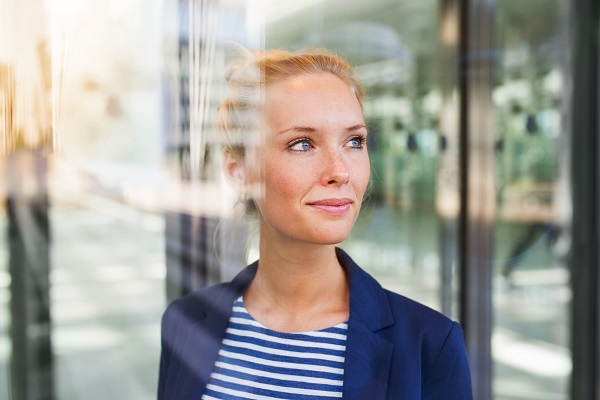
247 77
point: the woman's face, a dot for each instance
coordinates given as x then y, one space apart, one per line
312 166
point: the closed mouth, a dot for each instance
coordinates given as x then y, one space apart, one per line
332 206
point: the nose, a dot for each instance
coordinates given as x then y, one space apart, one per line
335 171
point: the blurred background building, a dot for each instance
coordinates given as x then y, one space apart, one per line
484 143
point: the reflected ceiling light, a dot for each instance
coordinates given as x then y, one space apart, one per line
449 29
364 42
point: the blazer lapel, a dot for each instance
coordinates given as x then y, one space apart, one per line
199 354
368 354
367 365
203 340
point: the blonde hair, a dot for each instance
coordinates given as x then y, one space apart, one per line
248 76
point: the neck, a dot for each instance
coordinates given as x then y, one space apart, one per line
298 286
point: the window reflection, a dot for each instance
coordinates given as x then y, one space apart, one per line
531 292
138 203
82 235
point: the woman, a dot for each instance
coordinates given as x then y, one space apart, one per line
304 321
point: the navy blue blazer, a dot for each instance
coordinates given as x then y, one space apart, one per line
396 348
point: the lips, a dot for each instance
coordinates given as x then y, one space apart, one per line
333 206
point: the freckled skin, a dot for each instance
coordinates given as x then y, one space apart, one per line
323 110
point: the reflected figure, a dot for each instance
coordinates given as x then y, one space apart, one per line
304 318
533 234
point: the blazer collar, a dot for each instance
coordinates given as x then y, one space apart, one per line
368 355
369 305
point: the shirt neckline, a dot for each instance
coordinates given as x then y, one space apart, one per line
341 325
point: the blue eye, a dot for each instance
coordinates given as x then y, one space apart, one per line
300 145
357 142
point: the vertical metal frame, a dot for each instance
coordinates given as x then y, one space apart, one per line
32 359
477 192
447 196
583 128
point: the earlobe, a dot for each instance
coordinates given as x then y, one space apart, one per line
234 171
238 174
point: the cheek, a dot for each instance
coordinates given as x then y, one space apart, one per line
280 183
362 175
287 182
276 183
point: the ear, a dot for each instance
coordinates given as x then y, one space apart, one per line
233 166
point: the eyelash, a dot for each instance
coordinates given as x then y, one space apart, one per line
299 140
362 140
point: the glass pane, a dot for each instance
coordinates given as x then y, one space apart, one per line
86 207
400 236
108 257
531 292
137 198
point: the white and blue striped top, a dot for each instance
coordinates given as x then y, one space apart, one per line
255 362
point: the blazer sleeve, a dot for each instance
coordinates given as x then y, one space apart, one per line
450 376
165 356
169 326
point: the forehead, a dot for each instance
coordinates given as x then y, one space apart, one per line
308 83
311 95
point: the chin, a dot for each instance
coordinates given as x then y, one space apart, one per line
330 238
332 242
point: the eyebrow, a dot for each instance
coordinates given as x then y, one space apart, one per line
308 129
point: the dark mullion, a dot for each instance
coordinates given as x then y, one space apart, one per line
476 222
583 127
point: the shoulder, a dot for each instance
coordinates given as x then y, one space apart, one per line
196 300
424 328
196 306
421 330
421 333
420 318
191 307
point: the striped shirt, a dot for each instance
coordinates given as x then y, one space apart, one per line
255 362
